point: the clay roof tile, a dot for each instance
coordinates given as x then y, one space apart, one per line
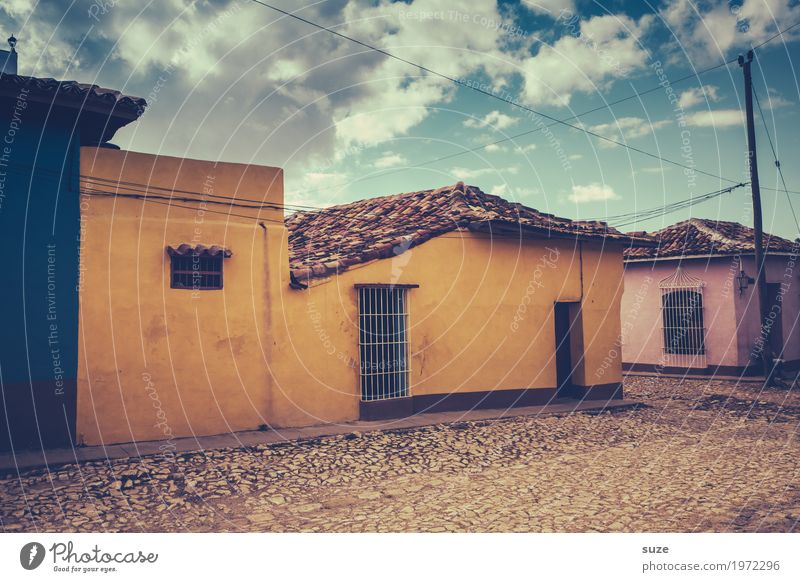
700 236
390 225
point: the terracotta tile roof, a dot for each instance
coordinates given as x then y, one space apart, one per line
72 93
328 241
702 236
187 250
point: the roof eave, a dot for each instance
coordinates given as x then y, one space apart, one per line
706 256
521 230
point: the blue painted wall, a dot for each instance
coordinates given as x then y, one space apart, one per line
39 230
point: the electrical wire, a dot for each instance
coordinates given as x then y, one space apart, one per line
775 157
622 220
172 204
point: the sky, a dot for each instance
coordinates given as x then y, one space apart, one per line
233 80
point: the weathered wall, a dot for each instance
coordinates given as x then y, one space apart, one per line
155 361
782 270
481 319
731 320
39 306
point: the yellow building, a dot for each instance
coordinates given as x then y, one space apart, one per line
203 311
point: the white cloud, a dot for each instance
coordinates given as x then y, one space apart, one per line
592 193
318 189
470 174
627 128
494 119
709 32
389 160
499 190
774 100
243 83
719 118
397 97
697 95
525 149
586 58
550 7
320 178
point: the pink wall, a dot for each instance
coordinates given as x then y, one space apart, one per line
731 320
779 270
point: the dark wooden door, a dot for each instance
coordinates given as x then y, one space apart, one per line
776 330
563 350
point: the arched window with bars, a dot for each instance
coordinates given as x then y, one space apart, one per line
683 329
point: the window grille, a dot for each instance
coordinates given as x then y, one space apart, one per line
196 272
682 320
383 342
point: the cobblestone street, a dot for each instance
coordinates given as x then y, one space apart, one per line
697 456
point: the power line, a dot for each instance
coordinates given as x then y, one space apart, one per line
629 218
498 97
776 35
149 196
139 188
171 204
146 187
687 201
780 190
775 157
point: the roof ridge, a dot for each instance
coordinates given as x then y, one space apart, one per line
700 224
459 205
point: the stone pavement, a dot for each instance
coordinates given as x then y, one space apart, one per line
12 463
703 455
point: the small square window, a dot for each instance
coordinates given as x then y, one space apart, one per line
196 272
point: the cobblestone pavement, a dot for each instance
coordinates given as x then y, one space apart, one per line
699 456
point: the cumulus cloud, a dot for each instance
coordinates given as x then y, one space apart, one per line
774 100
525 149
710 32
399 97
627 128
494 147
718 119
499 190
390 160
586 58
549 7
592 193
494 119
472 173
697 95
231 80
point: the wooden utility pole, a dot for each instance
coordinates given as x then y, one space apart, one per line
761 275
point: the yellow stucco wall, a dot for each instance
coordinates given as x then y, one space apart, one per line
481 319
154 361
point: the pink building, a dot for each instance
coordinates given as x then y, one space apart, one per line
691 304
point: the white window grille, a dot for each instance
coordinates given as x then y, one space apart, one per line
383 342
682 320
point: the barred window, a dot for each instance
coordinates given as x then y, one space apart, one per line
383 342
196 272
682 313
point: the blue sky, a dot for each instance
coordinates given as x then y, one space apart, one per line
235 81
